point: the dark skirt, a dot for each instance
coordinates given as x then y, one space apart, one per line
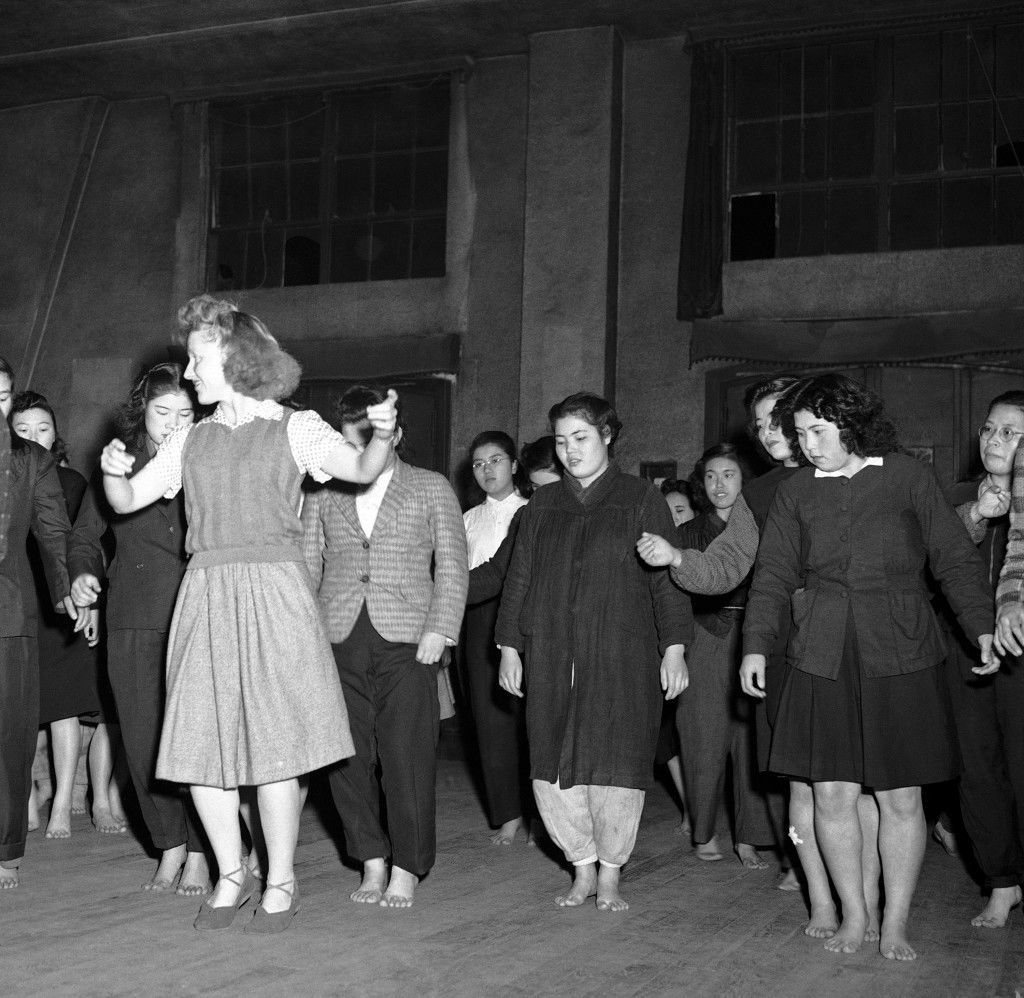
883 733
68 673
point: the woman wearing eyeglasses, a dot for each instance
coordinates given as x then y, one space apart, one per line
496 714
989 709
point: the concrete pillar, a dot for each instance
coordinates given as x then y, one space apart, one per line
571 228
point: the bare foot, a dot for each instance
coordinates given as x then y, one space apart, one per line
849 937
608 896
195 876
709 851
9 877
59 825
824 922
167 870
995 914
893 944
401 889
583 886
789 881
78 803
105 822
750 857
506 835
536 831
375 876
873 932
945 838
683 828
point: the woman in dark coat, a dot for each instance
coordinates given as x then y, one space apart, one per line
865 704
603 637
144 577
36 504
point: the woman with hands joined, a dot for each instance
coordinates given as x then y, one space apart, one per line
603 638
253 696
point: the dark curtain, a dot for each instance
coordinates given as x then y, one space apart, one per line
700 253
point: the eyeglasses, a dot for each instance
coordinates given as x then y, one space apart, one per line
492 462
1005 434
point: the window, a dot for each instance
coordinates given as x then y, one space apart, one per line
892 142
330 188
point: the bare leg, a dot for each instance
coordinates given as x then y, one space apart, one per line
902 833
995 914
750 857
218 811
401 889
584 886
195 876
506 835
839 837
279 814
675 770
101 772
375 878
871 864
608 896
167 869
66 739
824 920
709 851
33 807
250 815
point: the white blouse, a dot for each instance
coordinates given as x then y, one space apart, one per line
487 525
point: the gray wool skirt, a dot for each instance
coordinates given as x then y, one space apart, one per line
253 694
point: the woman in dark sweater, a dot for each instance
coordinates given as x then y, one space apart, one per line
603 638
865 705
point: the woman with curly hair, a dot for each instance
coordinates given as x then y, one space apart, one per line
864 706
143 579
253 696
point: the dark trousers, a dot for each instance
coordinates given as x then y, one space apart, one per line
19 722
498 719
137 670
989 716
393 714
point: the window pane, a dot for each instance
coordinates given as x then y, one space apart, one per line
915 69
227 251
428 247
804 84
392 189
354 123
756 85
916 140
967 212
1009 140
263 258
802 223
431 181
967 136
232 206
752 227
755 154
270 192
396 116
233 136
852 79
304 189
1010 209
306 131
391 243
350 252
353 194
1009 80
268 132
853 220
432 116
804 149
914 216
982 62
851 150
955 56
302 257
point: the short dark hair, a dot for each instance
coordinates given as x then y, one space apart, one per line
499 438
350 410
768 388
254 362
698 494
24 401
5 368
1014 397
163 379
592 409
864 428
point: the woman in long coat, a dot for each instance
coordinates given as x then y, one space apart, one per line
603 636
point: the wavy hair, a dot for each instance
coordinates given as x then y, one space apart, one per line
163 379
698 494
859 414
775 388
254 362
24 401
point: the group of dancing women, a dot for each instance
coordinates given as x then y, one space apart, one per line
278 597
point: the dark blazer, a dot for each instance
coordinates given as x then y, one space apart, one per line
836 546
36 505
412 572
149 556
487 579
593 621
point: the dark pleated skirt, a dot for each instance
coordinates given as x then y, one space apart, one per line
882 733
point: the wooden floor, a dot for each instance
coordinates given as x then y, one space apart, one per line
483 924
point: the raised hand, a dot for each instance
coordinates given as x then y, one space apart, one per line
115 459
